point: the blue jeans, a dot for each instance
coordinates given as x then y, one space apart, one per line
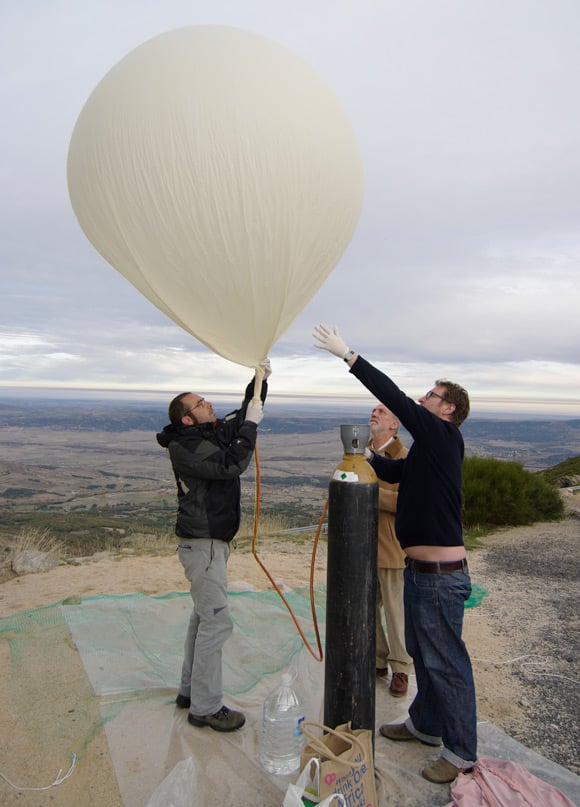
444 707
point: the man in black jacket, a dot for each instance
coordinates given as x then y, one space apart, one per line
429 528
208 456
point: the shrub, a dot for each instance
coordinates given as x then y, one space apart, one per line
35 539
505 494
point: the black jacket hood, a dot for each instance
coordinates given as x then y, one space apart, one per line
171 432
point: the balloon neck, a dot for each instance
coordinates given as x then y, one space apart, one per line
258 380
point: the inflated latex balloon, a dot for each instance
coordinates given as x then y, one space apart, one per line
220 175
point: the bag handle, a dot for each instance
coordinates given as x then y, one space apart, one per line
317 744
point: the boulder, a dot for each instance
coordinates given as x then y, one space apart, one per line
31 561
568 481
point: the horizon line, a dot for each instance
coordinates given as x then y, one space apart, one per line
503 404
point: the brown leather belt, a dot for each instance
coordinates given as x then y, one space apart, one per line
435 568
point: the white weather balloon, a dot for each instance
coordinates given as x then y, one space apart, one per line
220 175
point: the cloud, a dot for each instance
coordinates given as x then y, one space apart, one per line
465 261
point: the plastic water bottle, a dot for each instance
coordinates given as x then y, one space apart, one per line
282 738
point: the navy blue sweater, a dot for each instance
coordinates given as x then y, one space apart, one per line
429 506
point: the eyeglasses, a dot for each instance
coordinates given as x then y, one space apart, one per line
436 394
199 403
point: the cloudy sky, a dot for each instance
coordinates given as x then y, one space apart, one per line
465 262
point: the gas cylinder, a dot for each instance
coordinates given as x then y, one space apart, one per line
353 505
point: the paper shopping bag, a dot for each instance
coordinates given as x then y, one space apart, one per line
346 762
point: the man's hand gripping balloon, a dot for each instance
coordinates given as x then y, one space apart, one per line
255 410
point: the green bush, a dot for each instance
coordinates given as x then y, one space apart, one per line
500 493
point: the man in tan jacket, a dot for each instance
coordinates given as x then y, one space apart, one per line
391 651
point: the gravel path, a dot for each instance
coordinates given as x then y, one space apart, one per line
532 576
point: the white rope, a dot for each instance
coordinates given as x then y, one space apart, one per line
538 663
561 677
58 781
510 661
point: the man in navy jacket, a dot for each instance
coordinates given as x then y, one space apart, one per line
437 584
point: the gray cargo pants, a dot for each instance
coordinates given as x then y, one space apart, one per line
205 564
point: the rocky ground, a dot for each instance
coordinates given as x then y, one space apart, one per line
532 575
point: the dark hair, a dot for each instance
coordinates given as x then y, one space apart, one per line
458 396
177 409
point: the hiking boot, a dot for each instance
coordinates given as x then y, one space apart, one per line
182 702
442 772
224 720
399 684
382 672
396 731
400 732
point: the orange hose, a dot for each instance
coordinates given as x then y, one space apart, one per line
320 654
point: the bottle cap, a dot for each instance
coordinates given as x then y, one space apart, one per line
286 679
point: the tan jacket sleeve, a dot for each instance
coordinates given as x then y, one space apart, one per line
389 553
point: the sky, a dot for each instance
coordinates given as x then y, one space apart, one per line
465 261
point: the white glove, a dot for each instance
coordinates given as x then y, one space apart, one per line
331 340
368 454
255 411
266 367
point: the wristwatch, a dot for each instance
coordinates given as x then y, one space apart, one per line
349 356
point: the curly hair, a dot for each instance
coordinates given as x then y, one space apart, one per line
458 396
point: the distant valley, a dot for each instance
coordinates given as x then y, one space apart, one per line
85 463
